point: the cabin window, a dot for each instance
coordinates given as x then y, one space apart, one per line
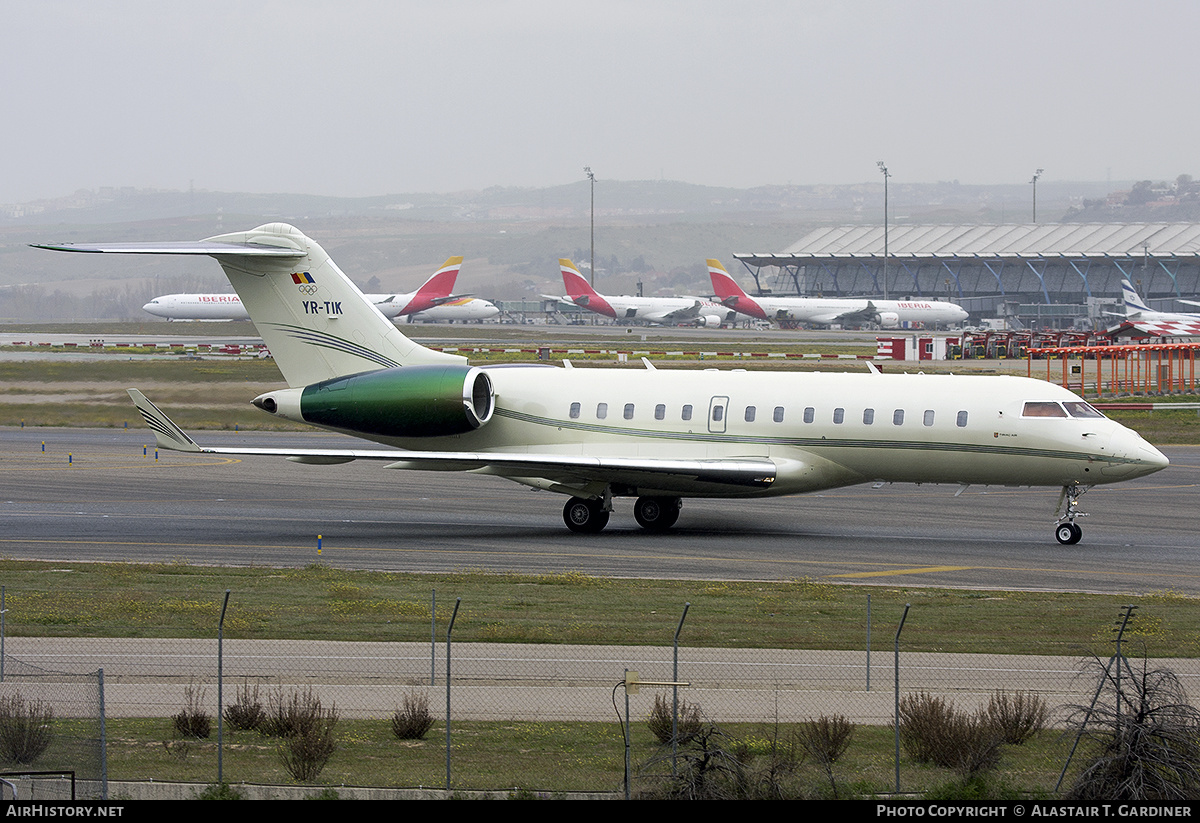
898 417
660 411
628 411
1039 408
1077 408
575 411
868 417
961 420
839 415
718 413
687 412
601 410
928 418
778 415
750 413
810 414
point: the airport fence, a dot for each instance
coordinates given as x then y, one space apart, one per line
500 709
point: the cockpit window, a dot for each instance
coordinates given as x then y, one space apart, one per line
1043 409
1077 408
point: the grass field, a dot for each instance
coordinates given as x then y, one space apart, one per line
322 603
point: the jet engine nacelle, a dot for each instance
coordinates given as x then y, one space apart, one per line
413 401
888 319
708 321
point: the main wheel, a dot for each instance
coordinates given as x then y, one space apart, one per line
656 514
1068 533
584 516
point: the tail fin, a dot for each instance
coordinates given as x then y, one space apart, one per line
315 321
580 292
1134 304
730 293
437 289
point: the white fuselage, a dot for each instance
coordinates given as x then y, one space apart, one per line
831 310
894 428
669 310
229 307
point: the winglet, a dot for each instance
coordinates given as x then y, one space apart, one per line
168 435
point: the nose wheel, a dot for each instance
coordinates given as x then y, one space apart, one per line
1068 532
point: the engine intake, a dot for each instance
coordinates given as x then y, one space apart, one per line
413 401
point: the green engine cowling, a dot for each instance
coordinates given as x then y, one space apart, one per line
412 401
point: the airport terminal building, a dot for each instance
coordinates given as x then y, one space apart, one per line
1056 275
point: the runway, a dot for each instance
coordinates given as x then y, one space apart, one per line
93 496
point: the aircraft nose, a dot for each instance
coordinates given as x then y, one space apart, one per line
1139 458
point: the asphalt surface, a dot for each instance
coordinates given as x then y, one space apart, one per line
93 495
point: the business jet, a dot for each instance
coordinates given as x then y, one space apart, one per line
662 310
657 436
432 301
827 311
1141 318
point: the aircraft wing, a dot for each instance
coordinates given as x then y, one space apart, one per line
676 315
716 476
1190 302
201 247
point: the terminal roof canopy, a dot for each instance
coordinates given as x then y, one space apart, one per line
1028 241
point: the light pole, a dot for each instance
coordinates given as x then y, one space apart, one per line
1036 175
591 177
886 175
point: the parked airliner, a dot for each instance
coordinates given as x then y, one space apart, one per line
657 436
628 309
828 311
432 301
1144 319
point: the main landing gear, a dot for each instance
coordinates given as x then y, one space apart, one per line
1068 532
655 514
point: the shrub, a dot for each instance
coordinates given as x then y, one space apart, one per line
659 720
25 728
292 714
305 754
1017 717
1145 734
412 720
194 721
826 738
932 731
247 714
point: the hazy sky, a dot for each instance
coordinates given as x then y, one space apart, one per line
361 97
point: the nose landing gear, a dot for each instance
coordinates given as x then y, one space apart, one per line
1068 532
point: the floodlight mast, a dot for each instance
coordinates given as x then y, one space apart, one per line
1036 175
886 175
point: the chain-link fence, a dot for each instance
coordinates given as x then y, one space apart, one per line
507 707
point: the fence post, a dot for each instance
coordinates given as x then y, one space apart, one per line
449 631
220 691
896 719
675 691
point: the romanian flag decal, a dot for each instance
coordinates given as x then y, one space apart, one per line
299 278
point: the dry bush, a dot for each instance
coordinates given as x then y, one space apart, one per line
1144 735
305 754
1018 716
412 720
247 714
923 717
193 721
659 720
292 714
25 728
826 738
932 731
